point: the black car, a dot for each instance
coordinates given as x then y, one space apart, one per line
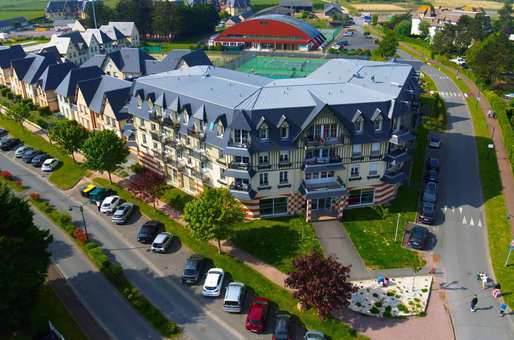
149 231
433 164
193 269
3 132
7 143
38 160
27 156
432 176
427 214
418 237
281 330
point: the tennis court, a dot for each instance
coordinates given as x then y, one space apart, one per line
280 67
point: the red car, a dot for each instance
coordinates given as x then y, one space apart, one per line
256 318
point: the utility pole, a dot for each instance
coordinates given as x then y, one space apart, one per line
397 225
81 208
94 12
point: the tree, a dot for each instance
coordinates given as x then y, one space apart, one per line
103 14
18 112
24 257
388 45
374 19
505 25
138 11
444 39
424 29
491 58
321 283
69 135
146 184
104 151
403 28
213 215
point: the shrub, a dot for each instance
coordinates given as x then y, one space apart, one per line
137 168
79 235
64 218
391 293
10 96
19 182
91 245
378 304
5 174
387 314
374 310
402 308
45 111
35 196
388 308
424 290
42 123
98 256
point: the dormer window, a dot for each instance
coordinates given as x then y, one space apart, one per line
377 124
284 131
185 116
150 105
139 102
220 130
359 125
263 132
158 110
241 137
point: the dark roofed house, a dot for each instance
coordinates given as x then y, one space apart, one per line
13 24
49 81
332 9
7 55
236 7
65 9
297 5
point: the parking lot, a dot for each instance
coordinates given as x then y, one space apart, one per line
358 39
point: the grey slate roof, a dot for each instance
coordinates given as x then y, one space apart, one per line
100 36
75 37
30 68
117 91
64 6
125 27
54 74
8 54
332 7
344 86
295 3
96 60
112 32
14 22
130 60
273 10
68 85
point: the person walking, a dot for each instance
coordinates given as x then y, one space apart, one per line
497 291
485 279
473 303
98 204
503 309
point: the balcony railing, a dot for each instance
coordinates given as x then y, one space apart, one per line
240 187
239 144
322 161
316 141
239 166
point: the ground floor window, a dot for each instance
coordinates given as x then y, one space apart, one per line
322 203
273 206
361 196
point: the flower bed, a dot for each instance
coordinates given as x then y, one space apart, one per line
404 296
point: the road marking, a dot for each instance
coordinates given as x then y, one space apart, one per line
460 210
453 209
464 220
445 208
479 223
471 222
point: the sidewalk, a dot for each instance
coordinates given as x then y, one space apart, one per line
506 175
80 314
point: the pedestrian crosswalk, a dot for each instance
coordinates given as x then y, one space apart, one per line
465 218
450 94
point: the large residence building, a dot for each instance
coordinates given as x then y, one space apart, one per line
335 139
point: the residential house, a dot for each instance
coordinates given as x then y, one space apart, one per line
75 47
95 95
339 138
45 87
106 43
28 70
236 7
297 5
7 55
118 39
66 9
13 24
128 29
331 9
67 89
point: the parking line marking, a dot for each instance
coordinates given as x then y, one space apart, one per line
471 222
464 220
445 208
479 223
460 210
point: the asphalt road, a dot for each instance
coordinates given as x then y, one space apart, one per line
156 275
461 233
102 300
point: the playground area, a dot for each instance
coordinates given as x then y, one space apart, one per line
280 67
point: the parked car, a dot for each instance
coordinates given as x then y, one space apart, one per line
433 164
342 43
314 335
281 330
122 213
50 164
162 242
427 214
38 160
85 190
98 194
435 141
3 132
149 231
257 315
432 176
213 282
109 204
418 237
21 150
27 156
234 297
193 269
459 61
348 34
7 143
430 193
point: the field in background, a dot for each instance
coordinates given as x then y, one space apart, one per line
458 3
390 7
25 8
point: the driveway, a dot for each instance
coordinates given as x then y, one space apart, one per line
462 234
335 242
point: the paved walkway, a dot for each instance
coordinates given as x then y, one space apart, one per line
507 177
81 315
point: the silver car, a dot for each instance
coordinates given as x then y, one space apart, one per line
314 335
21 150
122 213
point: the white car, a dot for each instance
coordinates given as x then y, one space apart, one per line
50 164
109 204
213 282
459 61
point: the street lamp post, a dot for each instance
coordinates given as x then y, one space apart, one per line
81 208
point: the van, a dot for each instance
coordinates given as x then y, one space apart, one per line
234 297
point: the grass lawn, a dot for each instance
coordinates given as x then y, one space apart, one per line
174 197
25 8
67 175
239 272
49 307
265 239
167 46
27 14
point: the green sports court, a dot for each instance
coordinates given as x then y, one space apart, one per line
280 67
